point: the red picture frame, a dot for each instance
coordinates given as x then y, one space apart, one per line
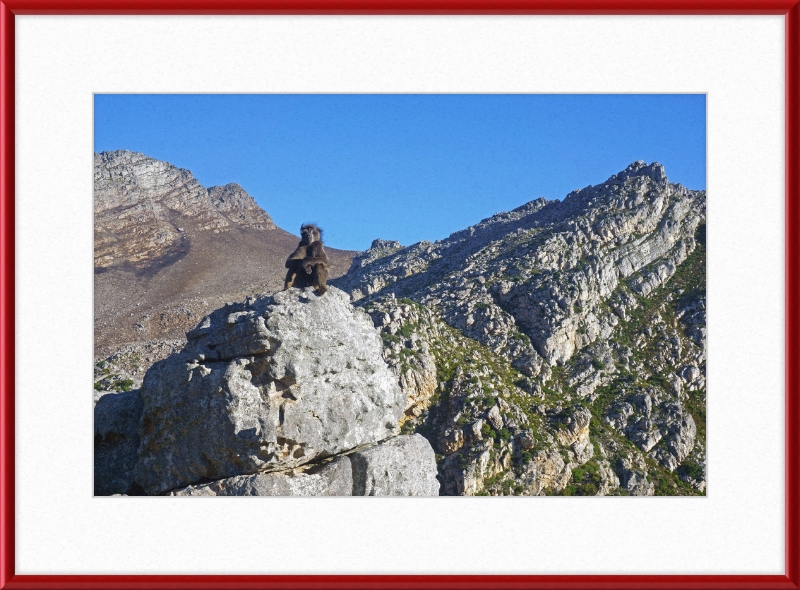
791 11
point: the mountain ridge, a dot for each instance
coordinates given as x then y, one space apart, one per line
564 335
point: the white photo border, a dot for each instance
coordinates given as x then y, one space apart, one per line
737 60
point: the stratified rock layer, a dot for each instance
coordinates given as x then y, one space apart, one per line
140 204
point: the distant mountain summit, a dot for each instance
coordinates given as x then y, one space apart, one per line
143 207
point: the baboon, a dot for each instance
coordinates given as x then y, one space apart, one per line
308 265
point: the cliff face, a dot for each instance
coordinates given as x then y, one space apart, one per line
143 206
168 251
568 337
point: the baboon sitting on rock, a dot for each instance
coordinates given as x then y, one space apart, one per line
308 265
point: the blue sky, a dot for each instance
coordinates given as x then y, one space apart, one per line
405 167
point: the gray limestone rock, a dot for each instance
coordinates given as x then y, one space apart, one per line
576 434
266 385
576 295
401 466
635 480
116 439
494 418
332 479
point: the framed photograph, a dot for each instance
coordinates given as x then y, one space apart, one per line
578 367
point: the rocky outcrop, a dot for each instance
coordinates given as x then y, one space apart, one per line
575 434
660 427
547 267
266 385
404 328
264 394
633 478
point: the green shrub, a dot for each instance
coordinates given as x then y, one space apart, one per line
598 364
577 474
386 337
692 469
406 301
659 381
406 330
526 457
126 385
663 488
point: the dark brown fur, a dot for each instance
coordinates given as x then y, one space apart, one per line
308 264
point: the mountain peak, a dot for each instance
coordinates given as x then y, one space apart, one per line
655 171
142 207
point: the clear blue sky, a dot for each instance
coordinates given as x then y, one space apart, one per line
405 167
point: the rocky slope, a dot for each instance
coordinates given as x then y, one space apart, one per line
168 251
567 339
281 395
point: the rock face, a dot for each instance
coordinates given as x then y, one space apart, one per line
402 466
561 334
116 441
544 261
409 358
281 395
576 435
332 479
140 199
266 385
